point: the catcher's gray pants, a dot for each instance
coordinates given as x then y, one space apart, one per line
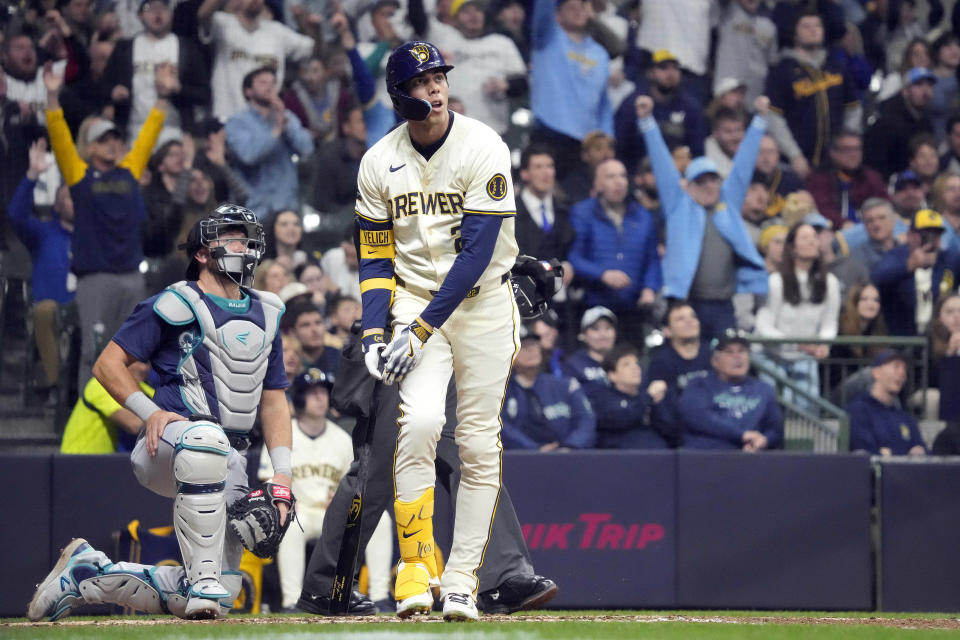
506 555
156 473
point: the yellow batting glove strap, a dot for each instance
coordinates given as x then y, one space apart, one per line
422 332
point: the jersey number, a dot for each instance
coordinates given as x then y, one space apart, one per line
457 240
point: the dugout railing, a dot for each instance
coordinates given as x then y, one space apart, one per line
818 422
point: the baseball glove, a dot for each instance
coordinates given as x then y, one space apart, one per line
534 283
255 518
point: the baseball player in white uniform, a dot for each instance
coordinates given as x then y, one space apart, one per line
435 211
321 454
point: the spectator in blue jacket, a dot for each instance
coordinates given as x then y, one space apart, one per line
878 424
49 245
263 139
598 333
568 82
623 408
709 254
677 113
913 276
614 249
682 358
544 412
728 409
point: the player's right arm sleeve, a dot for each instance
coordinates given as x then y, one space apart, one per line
141 332
664 170
68 160
544 23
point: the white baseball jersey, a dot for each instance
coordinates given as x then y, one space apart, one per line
239 52
426 199
317 464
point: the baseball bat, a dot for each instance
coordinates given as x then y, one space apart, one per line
350 544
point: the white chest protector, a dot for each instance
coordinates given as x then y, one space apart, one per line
238 351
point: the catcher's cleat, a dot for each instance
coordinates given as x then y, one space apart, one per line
459 607
60 592
413 590
203 600
517 593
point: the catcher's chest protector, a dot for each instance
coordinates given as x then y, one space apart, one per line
223 374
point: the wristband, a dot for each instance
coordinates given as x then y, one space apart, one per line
371 337
141 405
418 329
280 459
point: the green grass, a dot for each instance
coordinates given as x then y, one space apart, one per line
734 625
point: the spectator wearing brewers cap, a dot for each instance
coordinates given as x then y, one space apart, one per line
887 142
679 116
598 333
709 253
541 411
729 409
878 425
913 276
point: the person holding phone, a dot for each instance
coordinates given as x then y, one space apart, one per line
912 277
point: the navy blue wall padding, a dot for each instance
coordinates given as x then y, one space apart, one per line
25 534
774 530
600 523
93 496
920 544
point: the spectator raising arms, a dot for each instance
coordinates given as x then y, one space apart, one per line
109 211
709 254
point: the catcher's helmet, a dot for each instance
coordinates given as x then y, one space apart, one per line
305 382
239 267
408 60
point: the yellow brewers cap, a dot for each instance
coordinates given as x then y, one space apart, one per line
769 233
660 56
456 5
927 219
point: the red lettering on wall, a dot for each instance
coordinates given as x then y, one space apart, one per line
557 536
649 533
593 520
611 534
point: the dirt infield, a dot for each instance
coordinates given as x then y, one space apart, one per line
952 624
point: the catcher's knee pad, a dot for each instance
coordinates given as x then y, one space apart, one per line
415 531
200 514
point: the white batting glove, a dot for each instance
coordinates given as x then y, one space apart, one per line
373 358
404 352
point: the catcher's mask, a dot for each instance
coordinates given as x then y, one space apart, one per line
238 265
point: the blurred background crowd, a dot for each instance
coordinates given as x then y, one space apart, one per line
794 175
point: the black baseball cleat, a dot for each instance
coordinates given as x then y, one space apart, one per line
360 605
517 593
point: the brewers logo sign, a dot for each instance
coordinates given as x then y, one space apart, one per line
420 53
497 187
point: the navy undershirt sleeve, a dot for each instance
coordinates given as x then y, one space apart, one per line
479 234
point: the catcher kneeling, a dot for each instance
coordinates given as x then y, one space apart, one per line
213 346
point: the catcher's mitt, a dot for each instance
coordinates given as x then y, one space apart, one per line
534 283
255 518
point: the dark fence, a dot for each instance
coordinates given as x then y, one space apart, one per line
777 530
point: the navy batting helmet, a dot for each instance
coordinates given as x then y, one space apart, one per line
306 382
408 60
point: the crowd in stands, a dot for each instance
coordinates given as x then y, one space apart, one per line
703 169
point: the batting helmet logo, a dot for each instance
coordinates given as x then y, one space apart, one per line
420 53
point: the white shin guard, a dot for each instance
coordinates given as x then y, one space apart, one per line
200 509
